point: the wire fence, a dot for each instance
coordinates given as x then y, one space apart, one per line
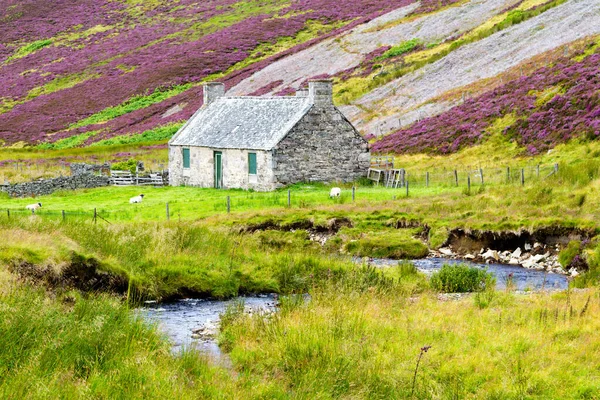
415 183
483 176
401 177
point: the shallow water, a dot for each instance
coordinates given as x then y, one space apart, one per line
178 319
522 278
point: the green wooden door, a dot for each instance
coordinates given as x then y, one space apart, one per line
218 156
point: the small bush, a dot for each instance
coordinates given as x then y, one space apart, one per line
129 165
461 278
402 48
568 254
407 269
485 298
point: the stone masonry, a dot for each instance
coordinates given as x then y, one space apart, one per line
322 147
47 186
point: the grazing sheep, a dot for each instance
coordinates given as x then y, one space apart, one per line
335 192
34 207
136 199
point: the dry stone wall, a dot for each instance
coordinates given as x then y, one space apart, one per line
322 147
47 186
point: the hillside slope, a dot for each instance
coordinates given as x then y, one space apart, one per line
86 73
66 61
412 94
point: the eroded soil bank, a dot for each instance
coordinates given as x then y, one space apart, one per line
86 274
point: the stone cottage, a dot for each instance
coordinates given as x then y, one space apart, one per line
263 143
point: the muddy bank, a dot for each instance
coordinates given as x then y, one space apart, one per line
332 226
472 241
86 274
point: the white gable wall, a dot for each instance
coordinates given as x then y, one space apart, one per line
235 168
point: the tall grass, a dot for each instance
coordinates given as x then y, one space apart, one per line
92 347
364 344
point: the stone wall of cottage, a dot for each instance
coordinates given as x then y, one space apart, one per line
234 164
322 147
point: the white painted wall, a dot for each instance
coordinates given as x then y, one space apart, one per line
235 168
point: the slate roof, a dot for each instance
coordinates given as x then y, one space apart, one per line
256 123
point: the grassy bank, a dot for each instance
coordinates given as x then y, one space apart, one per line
92 347
159 261
352 343
359 336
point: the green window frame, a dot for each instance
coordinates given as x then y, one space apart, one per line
186 158
251 163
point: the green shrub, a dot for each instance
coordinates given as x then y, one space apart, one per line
402 48
129 165
485 298
30 48
568 254
407 269
461 278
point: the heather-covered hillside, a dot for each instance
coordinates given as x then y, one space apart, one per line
103 68
79 73
551 106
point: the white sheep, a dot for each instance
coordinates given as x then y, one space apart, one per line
34 207
335 192
136 199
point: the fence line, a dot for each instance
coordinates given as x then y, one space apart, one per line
399 177
409 181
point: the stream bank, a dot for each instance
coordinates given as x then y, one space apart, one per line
194 323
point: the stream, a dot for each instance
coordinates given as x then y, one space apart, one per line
522 278
180 318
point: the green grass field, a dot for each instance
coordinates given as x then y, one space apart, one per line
360 335
194 203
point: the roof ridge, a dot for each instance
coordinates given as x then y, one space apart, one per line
265 97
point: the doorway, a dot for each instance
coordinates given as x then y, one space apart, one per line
218 156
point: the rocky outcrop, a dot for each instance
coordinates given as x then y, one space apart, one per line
536 256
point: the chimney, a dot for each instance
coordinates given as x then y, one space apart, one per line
302 93
320 92
212 91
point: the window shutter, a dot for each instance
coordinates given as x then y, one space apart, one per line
186 158
252 163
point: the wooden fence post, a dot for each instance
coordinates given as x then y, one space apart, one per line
63 215
522 176
456 177
353 193
168 213
228 205
469 184
407 187
481 174
289 198
538 171
507 174
427 179
95 216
